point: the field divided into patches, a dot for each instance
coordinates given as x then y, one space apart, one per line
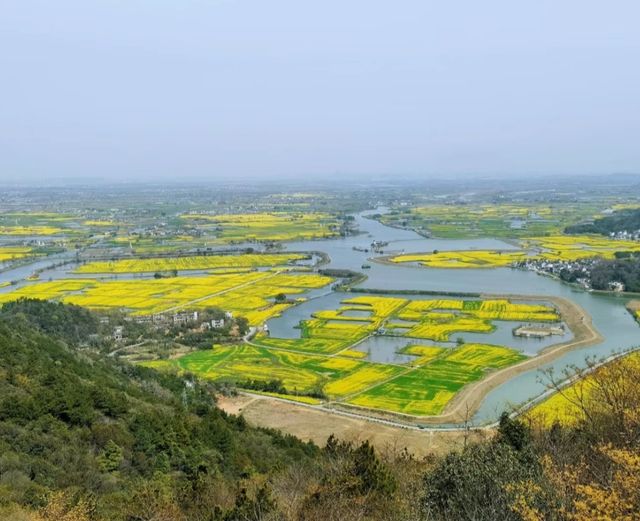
249 294
427 390
29 230
463 259
10 253
423 353
574 247
27 224
325 359
275 226
359 380
421 390
436 319
464 221
200 262
298 372
552 248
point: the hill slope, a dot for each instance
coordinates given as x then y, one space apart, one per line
131 440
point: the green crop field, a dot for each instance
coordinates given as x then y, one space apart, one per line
326 361
466 221
426 390
274 226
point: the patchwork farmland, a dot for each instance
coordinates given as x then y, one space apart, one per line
326 365
248 293
200 262
274 226
552 248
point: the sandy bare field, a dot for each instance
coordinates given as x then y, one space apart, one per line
317 425
633 306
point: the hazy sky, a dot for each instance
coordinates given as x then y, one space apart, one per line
142 89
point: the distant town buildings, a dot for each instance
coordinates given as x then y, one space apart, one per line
626 235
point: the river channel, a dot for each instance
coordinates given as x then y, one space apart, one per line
616 325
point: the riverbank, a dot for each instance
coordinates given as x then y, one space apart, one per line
633 307
466 403
468 400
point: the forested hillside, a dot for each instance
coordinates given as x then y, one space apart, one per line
85 437
125 442
602 273
620 221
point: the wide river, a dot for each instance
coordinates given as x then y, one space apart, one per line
618 328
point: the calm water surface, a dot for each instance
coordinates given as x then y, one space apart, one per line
617 326
613 321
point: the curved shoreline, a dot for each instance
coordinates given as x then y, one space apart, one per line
468 400
386 260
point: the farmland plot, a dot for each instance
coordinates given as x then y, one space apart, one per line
251 294
427 390
200 262
276 226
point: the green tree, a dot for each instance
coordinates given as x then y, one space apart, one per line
513 432
372 474
111 457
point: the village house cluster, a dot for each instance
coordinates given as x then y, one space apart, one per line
580 271
626 235
160 320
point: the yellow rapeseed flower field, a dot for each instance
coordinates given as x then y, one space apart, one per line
464 259
200 262
29 230
8 253
574 247
275 226
424 353
552 248
565 407
361 379
251 293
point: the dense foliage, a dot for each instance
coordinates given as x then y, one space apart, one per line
603 272
85 437
626 271
620 221
122 435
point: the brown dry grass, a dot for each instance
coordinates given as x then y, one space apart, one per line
317 425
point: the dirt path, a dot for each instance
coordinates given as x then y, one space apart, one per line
313 424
